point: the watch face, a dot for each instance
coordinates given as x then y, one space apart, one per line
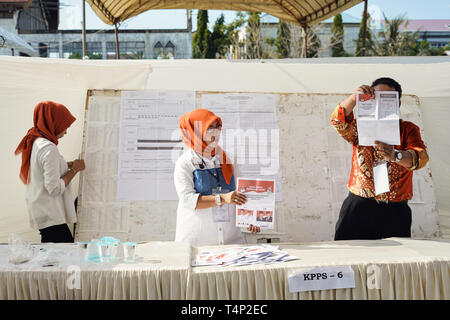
399 155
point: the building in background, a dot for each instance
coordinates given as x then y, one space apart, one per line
10 42
435 32
37 24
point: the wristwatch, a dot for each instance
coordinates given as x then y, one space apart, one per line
218 200
398 156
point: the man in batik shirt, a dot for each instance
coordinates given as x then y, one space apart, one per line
365 215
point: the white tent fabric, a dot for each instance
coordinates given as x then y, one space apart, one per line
26 81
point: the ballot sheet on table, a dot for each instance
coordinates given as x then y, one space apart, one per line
378 119
259 210
250 133
240 256
150 142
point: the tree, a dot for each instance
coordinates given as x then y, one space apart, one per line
297 35
337 37
289 41
426 50
219 41
369 41
254 36
283 39
232 31
201 38
395 42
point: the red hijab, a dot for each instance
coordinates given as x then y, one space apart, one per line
50 119
193 127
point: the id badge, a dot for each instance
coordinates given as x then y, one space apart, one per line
221 214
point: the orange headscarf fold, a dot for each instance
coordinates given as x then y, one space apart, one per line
193 127
50 119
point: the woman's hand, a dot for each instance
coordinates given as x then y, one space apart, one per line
254 229
78 165
234 197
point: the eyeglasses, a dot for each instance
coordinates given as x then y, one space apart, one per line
217 126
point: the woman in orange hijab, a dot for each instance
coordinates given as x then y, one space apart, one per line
205 184
47 175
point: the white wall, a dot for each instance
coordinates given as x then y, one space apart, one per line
26 81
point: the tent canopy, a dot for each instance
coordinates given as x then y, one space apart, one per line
302 12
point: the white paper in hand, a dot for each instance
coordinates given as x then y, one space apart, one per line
381 178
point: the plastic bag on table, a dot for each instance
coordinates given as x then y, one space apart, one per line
20 250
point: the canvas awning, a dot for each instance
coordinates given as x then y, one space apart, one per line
302 12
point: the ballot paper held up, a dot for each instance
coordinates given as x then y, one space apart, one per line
378 119
381 178
239 256
259 210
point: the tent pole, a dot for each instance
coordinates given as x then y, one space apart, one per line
305 41
84 29
363 47
117 41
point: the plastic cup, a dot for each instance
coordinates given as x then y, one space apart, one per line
114 249
82 250
129 251
105 250
94 253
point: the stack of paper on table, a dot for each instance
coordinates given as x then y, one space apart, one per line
239 256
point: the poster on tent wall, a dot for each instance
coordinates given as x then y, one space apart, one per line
250 133
150 142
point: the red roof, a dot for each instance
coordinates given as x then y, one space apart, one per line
428 25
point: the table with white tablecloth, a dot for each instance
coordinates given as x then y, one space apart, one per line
407 269
159 272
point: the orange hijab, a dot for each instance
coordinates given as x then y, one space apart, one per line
50 119
193 127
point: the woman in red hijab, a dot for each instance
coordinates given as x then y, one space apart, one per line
205 184
47 175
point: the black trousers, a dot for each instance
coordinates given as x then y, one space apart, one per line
58 233
363 218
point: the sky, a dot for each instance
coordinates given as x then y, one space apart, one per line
71 14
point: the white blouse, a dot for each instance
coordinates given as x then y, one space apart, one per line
49 200
197 226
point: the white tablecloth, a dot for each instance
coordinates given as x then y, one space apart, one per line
159 272
409 269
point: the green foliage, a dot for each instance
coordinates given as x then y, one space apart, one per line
283 40
201 38
394 42
77 55
313 45
369 41
337 37
220 41
254 37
